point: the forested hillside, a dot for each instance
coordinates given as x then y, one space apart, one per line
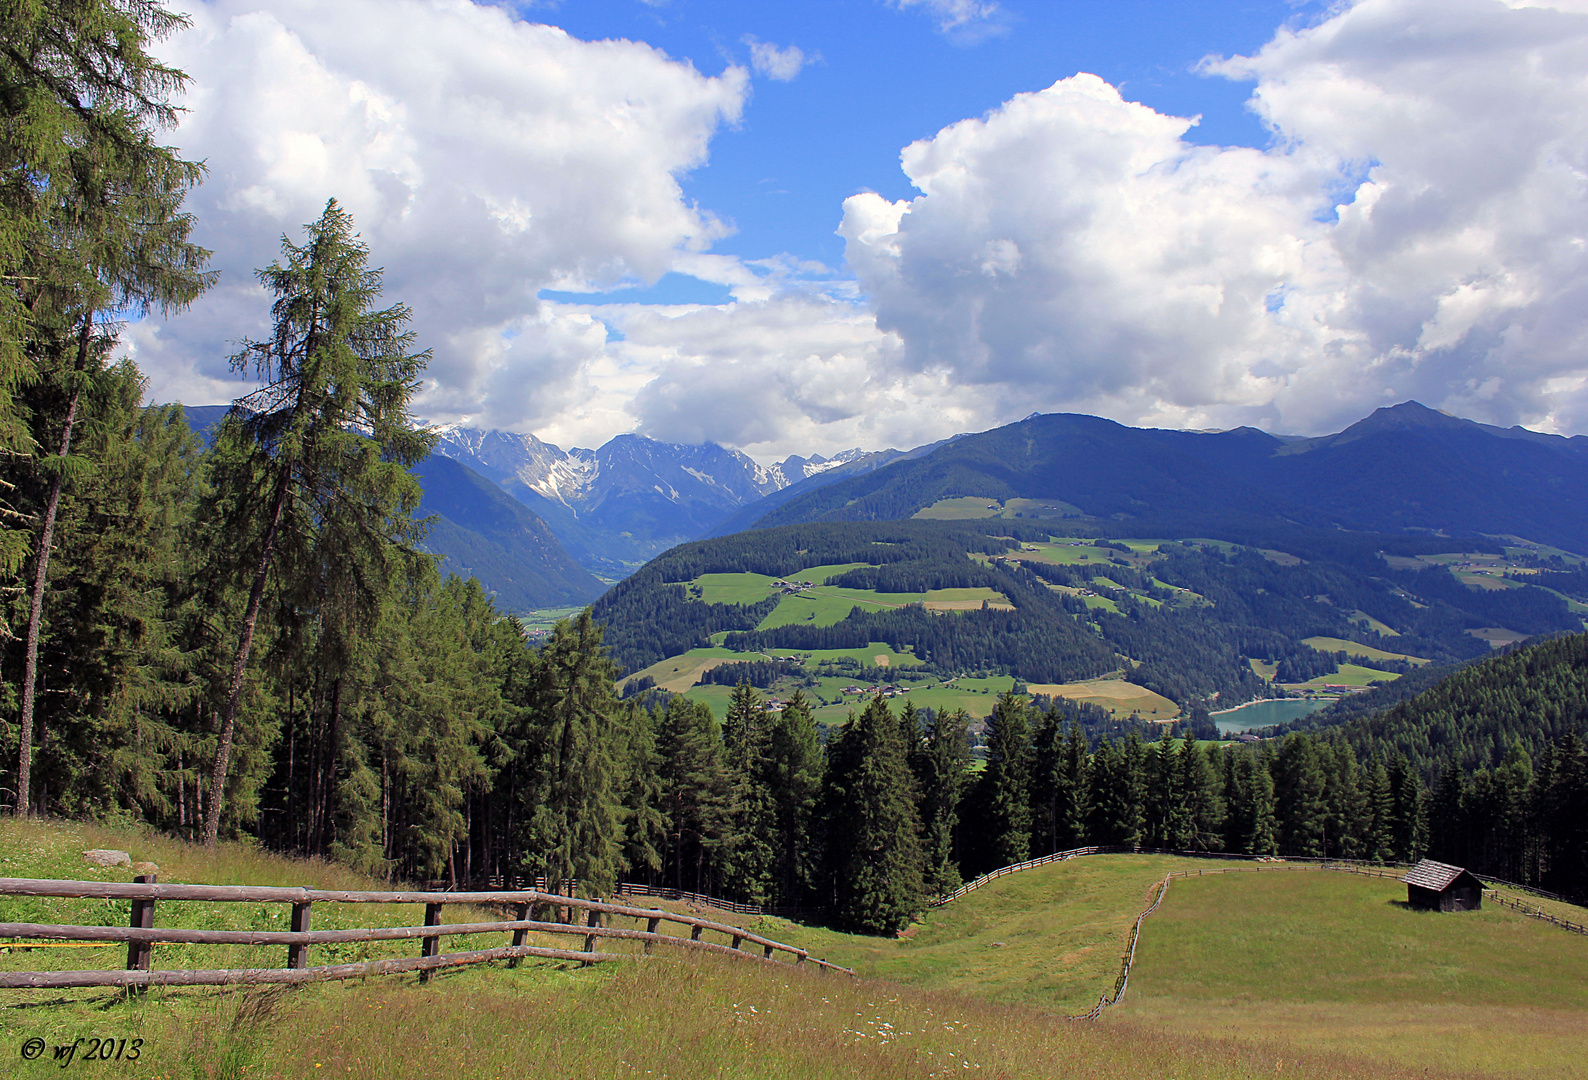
1473 719
1406 467
1201 623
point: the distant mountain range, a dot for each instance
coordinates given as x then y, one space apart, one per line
540 525
616 507
1406 467
482 532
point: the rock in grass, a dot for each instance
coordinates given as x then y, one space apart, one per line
106 857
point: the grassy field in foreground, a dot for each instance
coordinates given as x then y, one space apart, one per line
1337 963
686 1019
689 1017
1049 938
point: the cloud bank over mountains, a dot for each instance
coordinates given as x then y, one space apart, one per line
1417 228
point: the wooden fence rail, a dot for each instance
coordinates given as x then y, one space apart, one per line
142 935
1123 980
1536 912
659 892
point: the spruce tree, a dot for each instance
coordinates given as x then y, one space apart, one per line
750 842
943 777
873 847
693 790
1007 824
577 821
795 777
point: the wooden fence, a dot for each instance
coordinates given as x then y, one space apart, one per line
142 935
1536 913
659 892
1059 856
1130 957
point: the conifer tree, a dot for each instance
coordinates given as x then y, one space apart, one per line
693 790
577 822
796 765
91 229
1116 813
943 776
1378 845
1007 823
1204 816
644 827
1250 824
311 470
750 843
1299 797
874 853
1408 820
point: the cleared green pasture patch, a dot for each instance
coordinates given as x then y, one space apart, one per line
683 1016
679 673
820 574
1264 669
966 599
809 608
1337 963
547 618
718 698
1050 937
1485 580
1496 637
1040 509
976 696
1353 649
1066 551
876 654
1348 675
1119 697
1363 619
962 508
731 588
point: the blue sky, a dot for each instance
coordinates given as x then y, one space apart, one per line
879 78
937 216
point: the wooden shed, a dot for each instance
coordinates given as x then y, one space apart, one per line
1437 886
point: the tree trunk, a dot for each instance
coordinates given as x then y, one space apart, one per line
256 595
40 581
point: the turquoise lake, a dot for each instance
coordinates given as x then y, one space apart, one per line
1263 713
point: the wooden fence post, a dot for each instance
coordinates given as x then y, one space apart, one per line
520 914
432 944
138 952
298 955
590 939
650 928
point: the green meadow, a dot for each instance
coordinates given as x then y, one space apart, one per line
1357 651
1338 964
1305 974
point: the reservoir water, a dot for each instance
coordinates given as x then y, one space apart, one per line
1258 714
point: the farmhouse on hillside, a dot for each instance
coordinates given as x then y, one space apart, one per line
1437 886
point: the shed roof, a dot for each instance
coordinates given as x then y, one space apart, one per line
1437 876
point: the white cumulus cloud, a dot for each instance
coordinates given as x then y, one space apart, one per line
1415 230
483 158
